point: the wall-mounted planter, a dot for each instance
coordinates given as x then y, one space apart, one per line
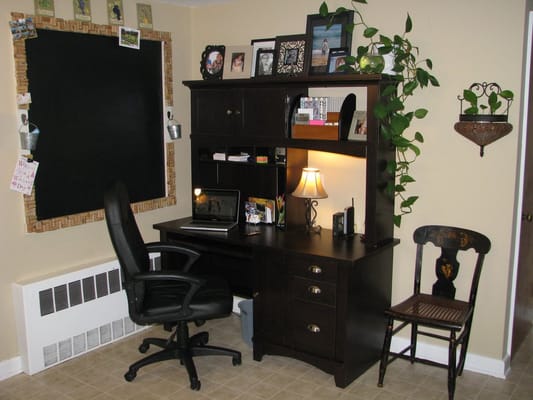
477 126
482 132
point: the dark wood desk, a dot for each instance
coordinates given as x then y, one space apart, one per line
317 298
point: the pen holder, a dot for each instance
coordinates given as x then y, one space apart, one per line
28 139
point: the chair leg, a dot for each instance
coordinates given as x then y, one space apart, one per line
452 366
414 336
385 352
464 348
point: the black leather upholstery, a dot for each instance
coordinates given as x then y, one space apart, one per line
167 297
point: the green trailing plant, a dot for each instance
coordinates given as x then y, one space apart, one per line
489 92
410 75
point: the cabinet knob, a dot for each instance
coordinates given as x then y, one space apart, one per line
237 112
229 112
313 328
314 290
315 269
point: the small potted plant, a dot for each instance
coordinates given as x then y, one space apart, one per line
484 101
484 120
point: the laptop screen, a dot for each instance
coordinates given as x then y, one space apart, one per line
216 205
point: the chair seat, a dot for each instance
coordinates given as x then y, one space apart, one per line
438 312
163 301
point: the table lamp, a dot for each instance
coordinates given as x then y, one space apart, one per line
310 188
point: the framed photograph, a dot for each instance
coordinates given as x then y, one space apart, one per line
82 10
115 15
144 16
44 7
128 37
238 62
260 44
336 60
320 39
290 55
264 65
212 63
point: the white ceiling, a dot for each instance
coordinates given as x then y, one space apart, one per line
194 3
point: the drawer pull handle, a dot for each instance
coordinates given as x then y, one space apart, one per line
314 290
315 269
313 328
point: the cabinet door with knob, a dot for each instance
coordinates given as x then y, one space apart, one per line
253 112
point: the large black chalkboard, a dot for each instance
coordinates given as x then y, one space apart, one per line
99 108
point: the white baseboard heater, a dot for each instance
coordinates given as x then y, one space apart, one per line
63 316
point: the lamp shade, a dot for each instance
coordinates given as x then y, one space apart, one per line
310 185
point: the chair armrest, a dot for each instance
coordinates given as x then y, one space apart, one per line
164 247
194 282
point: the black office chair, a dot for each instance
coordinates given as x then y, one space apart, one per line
165 297
438 310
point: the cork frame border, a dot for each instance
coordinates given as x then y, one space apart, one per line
33 225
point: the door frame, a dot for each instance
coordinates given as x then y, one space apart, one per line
515 246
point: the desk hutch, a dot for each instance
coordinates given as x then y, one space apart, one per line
317 298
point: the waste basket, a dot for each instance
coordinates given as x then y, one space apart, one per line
247 320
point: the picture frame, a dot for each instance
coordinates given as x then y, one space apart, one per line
144 16
320 39
290 55
82 10
129 37
260 44
238 62
115 12
264 65
336 60
45 8
212 62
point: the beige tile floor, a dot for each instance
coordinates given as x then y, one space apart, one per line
99 376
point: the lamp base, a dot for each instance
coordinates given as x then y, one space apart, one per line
310 217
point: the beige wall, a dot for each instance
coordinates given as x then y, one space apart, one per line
467 41
28 255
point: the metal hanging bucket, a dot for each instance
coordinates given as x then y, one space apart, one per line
29 137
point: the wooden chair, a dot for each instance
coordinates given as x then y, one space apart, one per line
438 310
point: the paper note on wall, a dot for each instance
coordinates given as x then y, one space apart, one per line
24 175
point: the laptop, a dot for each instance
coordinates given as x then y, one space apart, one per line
215 210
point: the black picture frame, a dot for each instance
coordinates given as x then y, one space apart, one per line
212 63
259 44
320 39
290 55
264 65
336 59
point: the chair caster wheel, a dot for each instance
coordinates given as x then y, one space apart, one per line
130 375
236 360
195 384
143 348
203 338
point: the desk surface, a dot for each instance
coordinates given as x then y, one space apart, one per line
295 240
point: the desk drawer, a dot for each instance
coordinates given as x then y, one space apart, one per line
316 268
312 290
312 328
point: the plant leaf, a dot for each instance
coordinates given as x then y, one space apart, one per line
415 149
434 81
410 87
369 32
507 94
391 167
422 76
323 10
429 63
419 137
421 113
408 24
390 89
406 179
470 96
397 219
380 111
471 110
409 201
